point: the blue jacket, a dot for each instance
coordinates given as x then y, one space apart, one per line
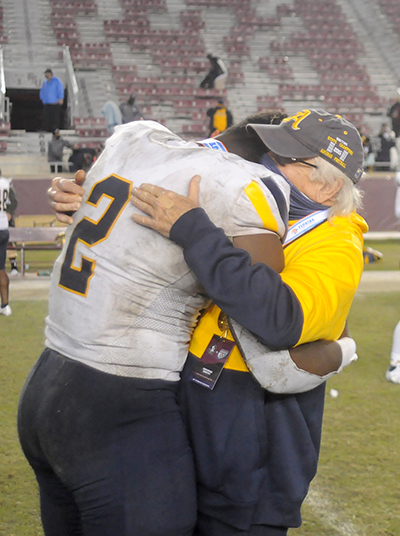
51 91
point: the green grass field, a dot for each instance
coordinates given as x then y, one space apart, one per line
21 338
356 491
357 487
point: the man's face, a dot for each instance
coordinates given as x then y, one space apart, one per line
299 175
48 76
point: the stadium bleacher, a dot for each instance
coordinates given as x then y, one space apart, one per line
174 39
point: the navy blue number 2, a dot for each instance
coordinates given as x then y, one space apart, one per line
90 233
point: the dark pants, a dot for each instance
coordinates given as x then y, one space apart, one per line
110 453
4 236
208 81
209 526
56 168
51 117
255 452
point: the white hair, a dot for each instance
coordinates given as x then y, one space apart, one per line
349 197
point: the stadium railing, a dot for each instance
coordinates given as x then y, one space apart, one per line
35 238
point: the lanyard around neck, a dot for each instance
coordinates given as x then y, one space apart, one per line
305 225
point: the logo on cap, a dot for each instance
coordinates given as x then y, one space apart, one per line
321 137
297 119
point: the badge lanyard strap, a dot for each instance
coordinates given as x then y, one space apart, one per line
305 225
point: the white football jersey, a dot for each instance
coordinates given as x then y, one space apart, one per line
122 298
5 185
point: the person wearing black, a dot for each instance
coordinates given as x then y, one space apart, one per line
383 160
394 114
217 68
55 151
130 111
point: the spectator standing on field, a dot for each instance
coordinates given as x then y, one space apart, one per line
11 207
220 119
52 97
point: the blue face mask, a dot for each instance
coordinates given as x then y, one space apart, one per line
300 204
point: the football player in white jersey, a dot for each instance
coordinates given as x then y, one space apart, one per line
98 418
5 186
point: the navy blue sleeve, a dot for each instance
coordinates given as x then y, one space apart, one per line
255 296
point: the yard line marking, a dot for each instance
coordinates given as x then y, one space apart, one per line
319 503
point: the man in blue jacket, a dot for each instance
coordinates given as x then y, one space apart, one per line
52 96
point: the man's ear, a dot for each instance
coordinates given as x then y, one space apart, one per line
327 192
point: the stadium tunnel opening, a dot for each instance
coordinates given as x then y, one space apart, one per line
26 109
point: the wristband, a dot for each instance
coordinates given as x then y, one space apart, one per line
348 347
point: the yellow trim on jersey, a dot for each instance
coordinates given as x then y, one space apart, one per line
260 203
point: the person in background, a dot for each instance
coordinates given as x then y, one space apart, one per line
393 372
369 155
220 119
130 111
217 73
55 151
394 114
112 114
82 158
386 156
11 207
5 186
52 97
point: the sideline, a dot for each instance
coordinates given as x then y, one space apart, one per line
318 502
380 281
33 287
29 287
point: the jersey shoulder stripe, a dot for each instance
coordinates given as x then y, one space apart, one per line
279 197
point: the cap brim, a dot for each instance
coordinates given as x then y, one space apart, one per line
281 142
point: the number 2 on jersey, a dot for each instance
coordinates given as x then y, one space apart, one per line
90 232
